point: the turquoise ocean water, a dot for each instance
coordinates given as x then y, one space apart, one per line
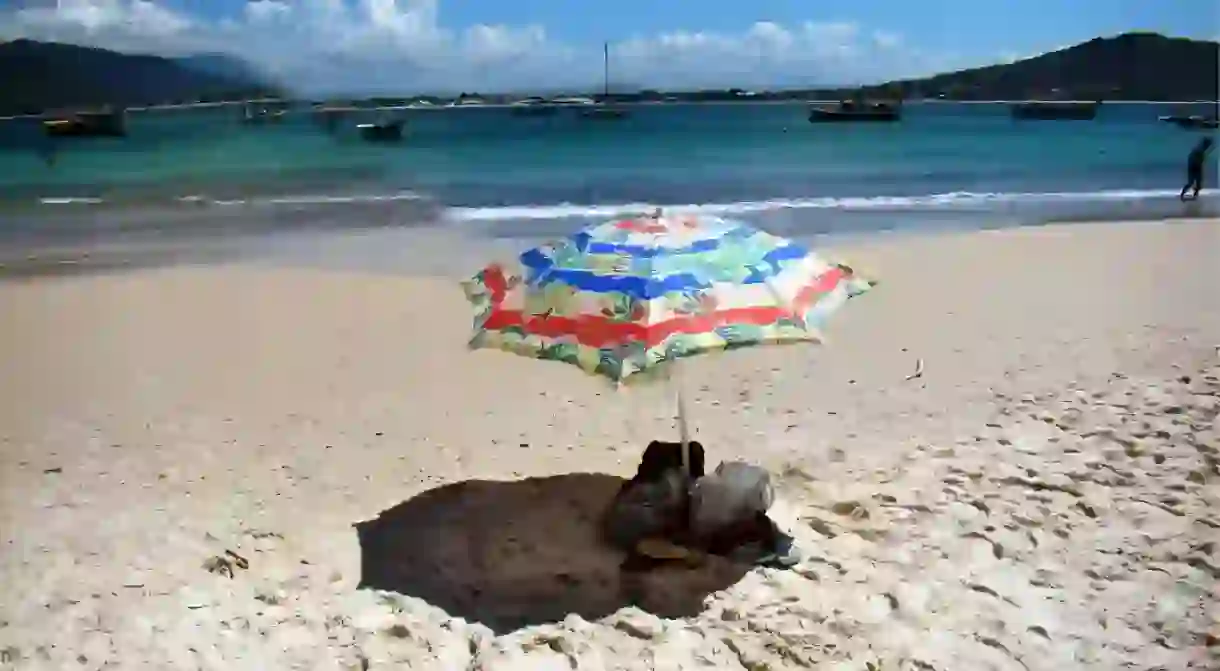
944 165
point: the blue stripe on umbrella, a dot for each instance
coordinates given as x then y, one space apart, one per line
643 252
653 251
543 272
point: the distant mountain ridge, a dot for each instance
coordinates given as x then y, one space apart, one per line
38 76
1130 66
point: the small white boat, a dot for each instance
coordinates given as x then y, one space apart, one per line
532 107
381 131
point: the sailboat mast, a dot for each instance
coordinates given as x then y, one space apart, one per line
605 70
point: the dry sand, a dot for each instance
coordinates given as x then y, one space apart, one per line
1043 497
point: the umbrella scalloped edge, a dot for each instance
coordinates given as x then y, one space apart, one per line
636 332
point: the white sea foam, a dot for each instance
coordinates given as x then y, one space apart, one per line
959 199
70 201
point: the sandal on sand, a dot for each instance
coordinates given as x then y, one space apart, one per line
663 550
659 548
652 552
784 555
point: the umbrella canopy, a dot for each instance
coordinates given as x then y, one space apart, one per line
622 298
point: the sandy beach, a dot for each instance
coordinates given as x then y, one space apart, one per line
193 462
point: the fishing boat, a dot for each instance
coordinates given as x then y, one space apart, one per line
1192 121
1042 110
855 110
101 123
603 111
381 131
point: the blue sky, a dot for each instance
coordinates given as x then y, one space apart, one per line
973 26
421 44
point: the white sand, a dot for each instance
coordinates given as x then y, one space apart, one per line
1043 497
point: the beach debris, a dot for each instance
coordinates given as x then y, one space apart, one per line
225 564
398 631
852 509
918 371
240 561
218 565
821 526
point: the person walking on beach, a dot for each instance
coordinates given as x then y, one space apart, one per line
1194 168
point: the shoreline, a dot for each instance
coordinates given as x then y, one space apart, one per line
292 111
1038 498
164 248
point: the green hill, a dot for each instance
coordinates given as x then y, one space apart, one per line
1132 66
41 76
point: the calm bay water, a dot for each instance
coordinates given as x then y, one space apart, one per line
943 165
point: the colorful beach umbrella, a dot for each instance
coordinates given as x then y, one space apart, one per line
624 298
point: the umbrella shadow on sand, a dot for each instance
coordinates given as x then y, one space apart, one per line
520 553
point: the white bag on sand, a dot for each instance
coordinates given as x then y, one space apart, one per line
735 493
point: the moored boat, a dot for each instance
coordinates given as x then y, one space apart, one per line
603 111
854 110
1056 110
381 131
101 123
1193 121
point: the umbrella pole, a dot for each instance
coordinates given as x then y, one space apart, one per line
683 428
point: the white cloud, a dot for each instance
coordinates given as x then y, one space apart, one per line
401 45
840 52
497 44
266 11
886 39
123 24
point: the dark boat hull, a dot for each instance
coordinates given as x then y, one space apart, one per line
86 126
381 133
604 114
838 116
1086 112
1192 122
